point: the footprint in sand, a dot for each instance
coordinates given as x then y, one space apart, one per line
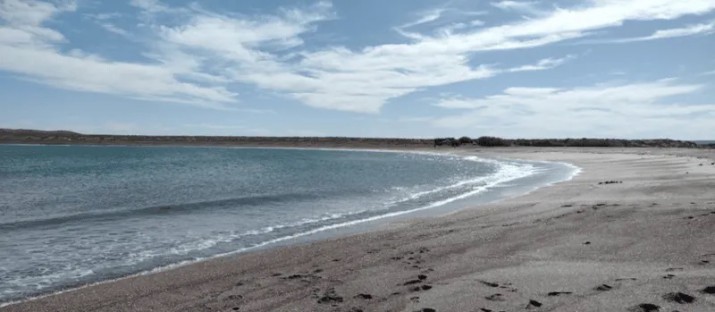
673 269
558 293
495 297
533 304
679 297
603 287
645 307
330 296
490 284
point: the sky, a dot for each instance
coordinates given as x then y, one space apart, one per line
403 68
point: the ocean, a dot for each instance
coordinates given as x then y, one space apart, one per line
73 215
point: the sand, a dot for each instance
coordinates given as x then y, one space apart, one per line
644 243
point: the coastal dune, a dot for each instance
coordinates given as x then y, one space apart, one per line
632 232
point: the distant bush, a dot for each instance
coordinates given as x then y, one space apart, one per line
491 141
465 140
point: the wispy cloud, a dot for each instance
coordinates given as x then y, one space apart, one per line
115 29
425 17
631 110
544 64
517 6
690 30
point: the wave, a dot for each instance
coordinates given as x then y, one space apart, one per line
109 215
507 172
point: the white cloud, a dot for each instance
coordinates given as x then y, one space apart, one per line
626 110
30 49
241 39
363 80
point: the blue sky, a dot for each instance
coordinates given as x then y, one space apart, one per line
594 68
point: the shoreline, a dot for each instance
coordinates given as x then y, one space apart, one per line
353 227
523 210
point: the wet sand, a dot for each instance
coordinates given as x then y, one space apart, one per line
635 231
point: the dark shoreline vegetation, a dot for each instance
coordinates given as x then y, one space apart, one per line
23 136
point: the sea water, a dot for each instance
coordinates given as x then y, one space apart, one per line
72 215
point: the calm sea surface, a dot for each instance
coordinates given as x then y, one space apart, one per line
71 215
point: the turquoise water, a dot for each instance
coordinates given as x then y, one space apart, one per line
71 215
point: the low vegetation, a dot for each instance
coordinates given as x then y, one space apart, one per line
68 137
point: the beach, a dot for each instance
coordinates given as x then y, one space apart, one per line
632 232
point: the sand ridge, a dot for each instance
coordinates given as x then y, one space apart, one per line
645 244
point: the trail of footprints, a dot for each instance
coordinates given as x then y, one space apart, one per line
414 260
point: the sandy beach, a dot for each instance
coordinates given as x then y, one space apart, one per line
632 232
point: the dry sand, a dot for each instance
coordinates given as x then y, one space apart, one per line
642 244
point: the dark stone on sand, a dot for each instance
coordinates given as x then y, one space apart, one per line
558 293
495 297
415 288
363 296
604 287
533 303
235 308
412 282
427 310
426 287
422 277
679 297
294 276
645 307
490 284
709 290
668 276
587 243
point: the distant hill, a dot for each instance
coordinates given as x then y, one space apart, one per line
25 136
